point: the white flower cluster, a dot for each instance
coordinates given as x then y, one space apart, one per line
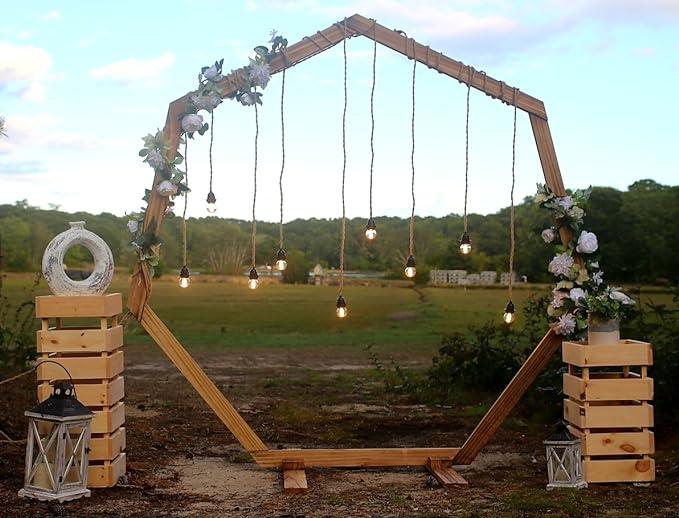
248 99
260 74
192 122
212 74
155 159
207 102
561 265
166 188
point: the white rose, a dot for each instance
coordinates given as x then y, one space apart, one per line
566 202
260 74
620 297
561 264
132 226
247 99
155 159
206 102
192 122
166 188
587 243
548 235
211 73
576 294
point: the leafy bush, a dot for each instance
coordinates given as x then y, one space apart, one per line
17 337
297 271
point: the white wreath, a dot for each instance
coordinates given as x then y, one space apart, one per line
53 262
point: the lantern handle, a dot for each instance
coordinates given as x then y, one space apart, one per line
75 394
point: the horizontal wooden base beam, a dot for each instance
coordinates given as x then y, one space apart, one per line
353 458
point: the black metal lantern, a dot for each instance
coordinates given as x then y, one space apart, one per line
564 459
58 446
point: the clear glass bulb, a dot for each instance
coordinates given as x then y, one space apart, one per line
410 271
184 282
370 233
342 312
508 317
253 283
211 208
281 265
465 248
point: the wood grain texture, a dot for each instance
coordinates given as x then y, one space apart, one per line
608 389
81 340
200 382
81 368
608 416
353 458
92 394
52 306
106 474
107 446
511 395
443 471
625 353
615 443
547 154
294 477
619 470
109 419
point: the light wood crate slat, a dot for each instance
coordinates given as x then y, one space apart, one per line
626 352
109 419
619 470
106 474
613 416
92 394
53 306
93 340
108 446
608 389
615 443
82 368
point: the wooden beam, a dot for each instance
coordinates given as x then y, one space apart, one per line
200 381
294 478
511 395
547 154
353 458
442 470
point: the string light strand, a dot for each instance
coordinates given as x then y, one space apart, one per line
186 199
212 135
372 117
412 157
466 148
254 193
280 178
344 160
511 206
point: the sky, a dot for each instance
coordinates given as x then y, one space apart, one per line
81 82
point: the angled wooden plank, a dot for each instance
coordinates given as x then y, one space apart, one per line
200 382
294 477
442 470
547 154
353 457
511 395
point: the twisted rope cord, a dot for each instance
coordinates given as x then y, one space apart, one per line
254 193
280 178
212 135
466 150
411 232
372 117
511 209
186 199
344 161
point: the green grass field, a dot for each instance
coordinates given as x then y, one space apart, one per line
226 314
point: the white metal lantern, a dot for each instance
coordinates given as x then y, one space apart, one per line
58 446
564 459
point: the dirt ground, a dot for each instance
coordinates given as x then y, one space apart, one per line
182 461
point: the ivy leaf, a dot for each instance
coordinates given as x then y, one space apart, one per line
143 152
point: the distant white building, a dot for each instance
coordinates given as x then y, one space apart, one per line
504 278
438 276
473 279
488 277
457 277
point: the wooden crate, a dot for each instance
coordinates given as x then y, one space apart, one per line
104 393
107 446
95 306
607 406
94 359
106 473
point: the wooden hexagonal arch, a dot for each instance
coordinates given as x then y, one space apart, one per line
438 460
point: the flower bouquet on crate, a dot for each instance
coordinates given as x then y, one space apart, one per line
582 300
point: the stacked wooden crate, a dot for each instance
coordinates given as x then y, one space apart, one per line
93 356
608 406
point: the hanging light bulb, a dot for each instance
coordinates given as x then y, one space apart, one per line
371 230
211 203
465 244
410 269
184 277
341 307
509 315
253 279
281 260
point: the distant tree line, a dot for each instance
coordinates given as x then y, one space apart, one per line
637 231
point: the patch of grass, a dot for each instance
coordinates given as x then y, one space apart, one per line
563 501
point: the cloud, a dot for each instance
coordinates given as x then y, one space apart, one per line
52 15
23 70
22 168
134 70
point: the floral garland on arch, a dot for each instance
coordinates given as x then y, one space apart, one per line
581 292
208 95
